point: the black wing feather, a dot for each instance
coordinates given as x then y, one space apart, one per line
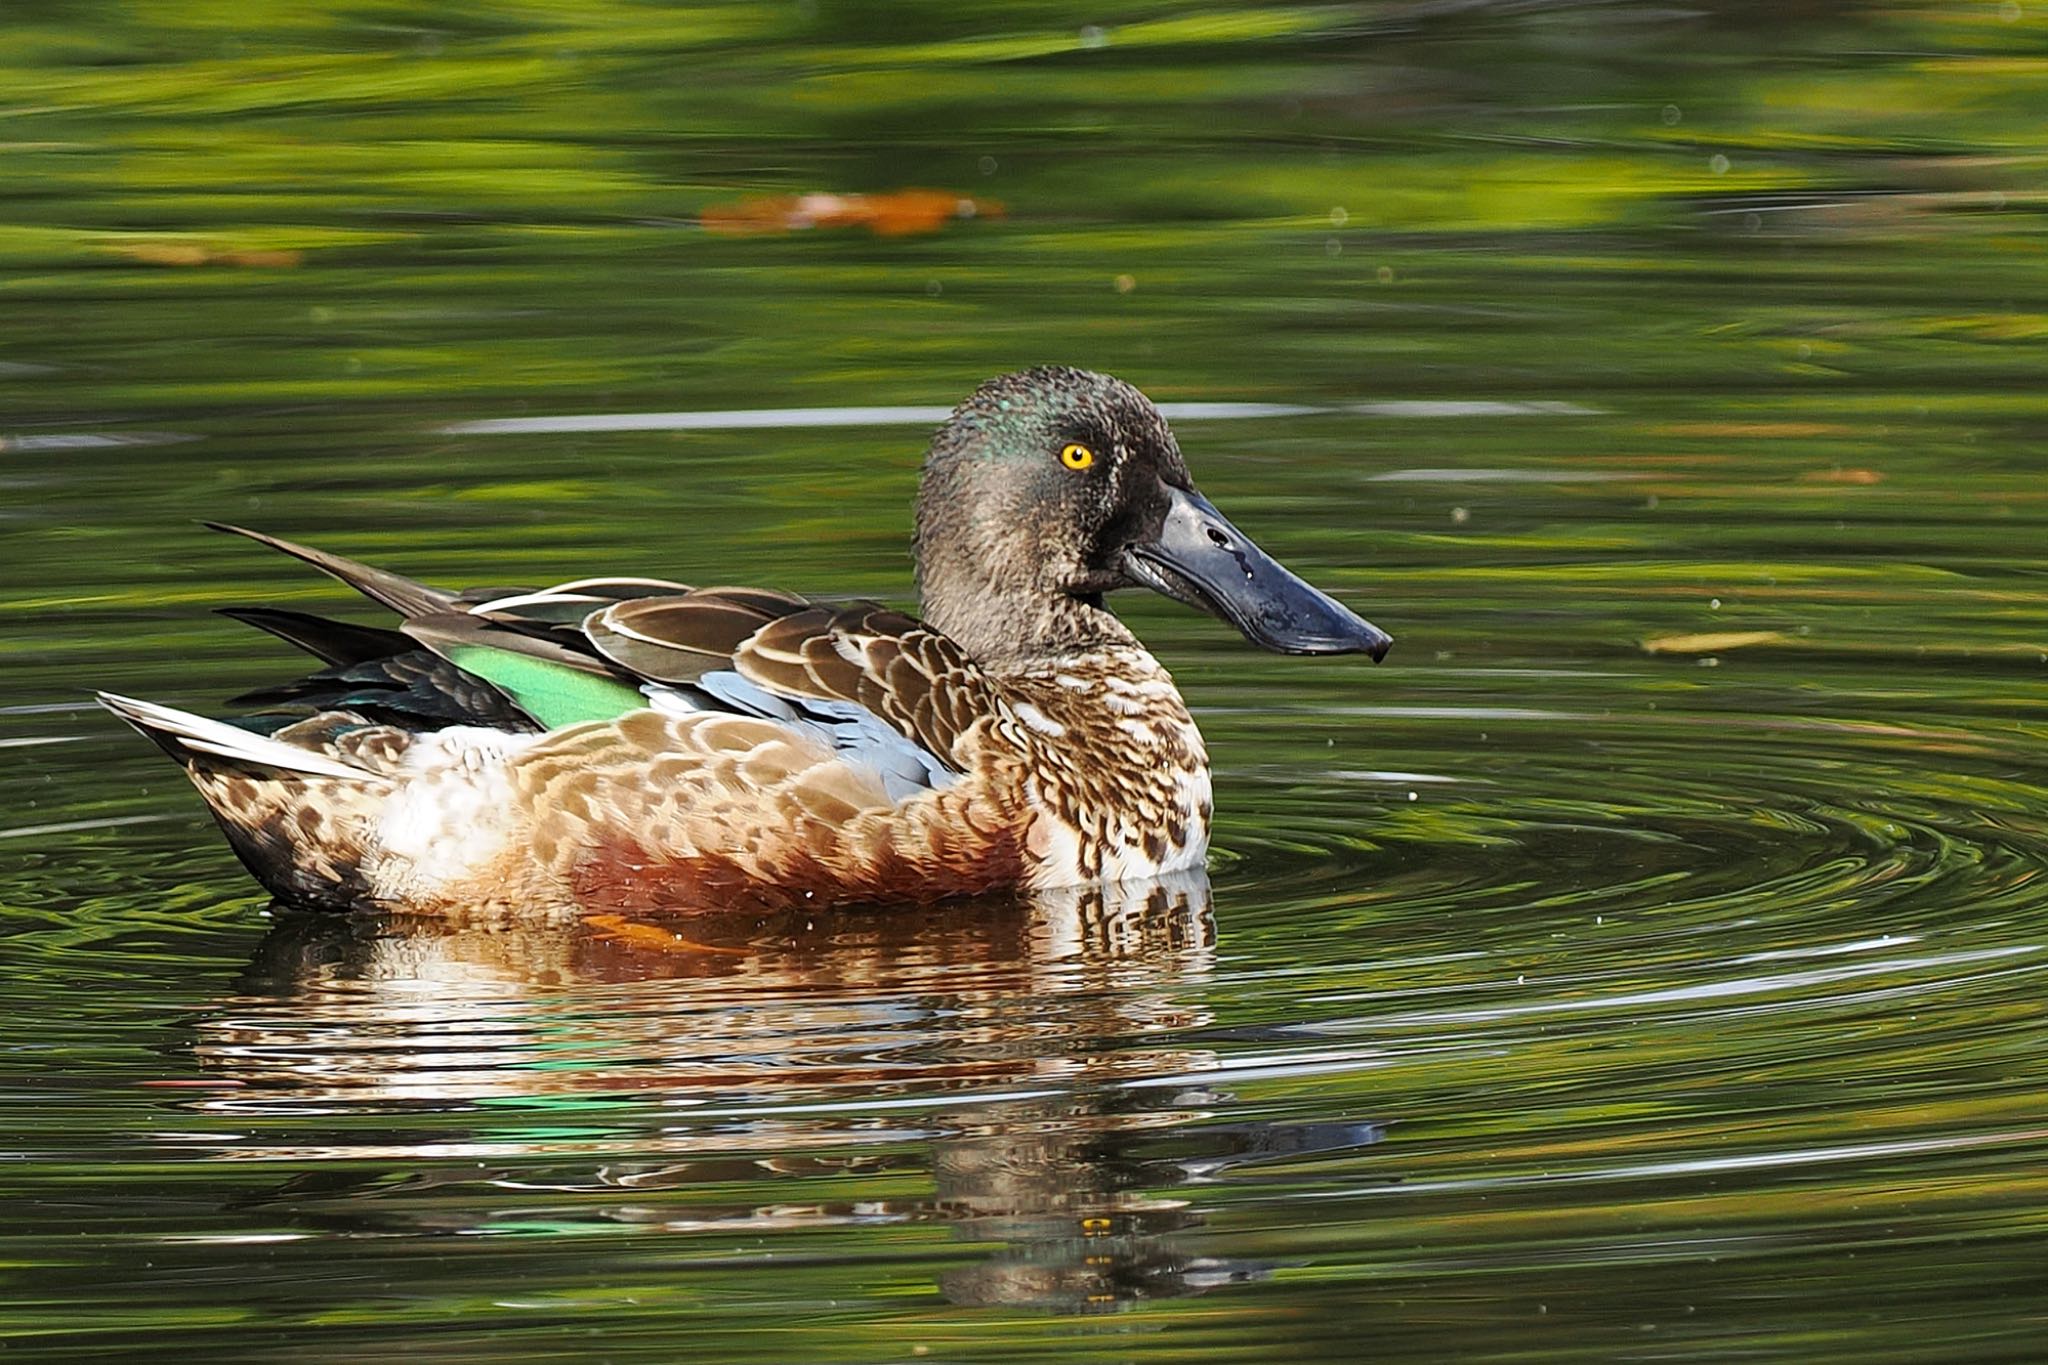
331 642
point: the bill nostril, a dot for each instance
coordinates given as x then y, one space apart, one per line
1219 538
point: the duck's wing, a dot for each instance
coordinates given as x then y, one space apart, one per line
878 685
887 694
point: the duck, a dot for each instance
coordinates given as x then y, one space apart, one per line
626 742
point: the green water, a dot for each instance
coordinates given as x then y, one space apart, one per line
1647 962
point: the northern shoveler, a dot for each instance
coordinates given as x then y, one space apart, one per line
632 741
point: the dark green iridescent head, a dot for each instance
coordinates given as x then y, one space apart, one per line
1051 487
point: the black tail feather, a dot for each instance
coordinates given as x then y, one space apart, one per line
415 690
339 643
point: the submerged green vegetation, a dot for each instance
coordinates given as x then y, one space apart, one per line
1646 959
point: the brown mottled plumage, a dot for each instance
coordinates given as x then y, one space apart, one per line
618 743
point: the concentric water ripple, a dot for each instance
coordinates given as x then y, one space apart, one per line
1547 989
1550 992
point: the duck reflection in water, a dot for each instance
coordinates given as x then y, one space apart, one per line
1035 1058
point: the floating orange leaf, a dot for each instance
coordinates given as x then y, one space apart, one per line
901 213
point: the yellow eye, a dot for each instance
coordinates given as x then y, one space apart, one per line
1077 456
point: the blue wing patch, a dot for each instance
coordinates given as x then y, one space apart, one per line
905 767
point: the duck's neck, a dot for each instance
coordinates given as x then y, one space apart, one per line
1006 630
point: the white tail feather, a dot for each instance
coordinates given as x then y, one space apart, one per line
204 736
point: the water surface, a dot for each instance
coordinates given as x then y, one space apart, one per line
1646 962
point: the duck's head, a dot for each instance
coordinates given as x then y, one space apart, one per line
1050 487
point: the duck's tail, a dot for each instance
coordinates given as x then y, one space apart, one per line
198 742
302 819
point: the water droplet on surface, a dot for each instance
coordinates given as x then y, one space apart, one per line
1718 164
1671 116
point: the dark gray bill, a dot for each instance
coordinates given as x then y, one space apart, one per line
1204 561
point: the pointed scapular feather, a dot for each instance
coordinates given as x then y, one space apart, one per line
705 622
768 601
656 663
615 588
402 595
551 607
